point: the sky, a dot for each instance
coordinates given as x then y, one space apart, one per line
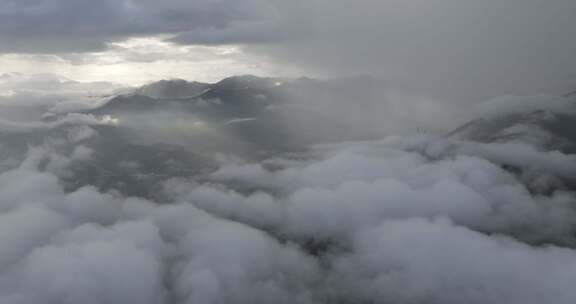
466 50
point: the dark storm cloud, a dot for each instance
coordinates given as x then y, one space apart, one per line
56 26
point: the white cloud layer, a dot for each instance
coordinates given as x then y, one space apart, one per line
401 220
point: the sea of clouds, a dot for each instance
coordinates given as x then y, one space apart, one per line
412 219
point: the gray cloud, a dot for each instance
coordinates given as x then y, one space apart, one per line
65 26
447 48
243 33
46 90
442 48
458 50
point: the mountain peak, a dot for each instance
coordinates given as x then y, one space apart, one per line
172 89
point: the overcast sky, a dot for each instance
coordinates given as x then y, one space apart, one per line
453 48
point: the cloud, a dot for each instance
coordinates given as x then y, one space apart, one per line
462 50
441 49
505 105
114 265
419 260
242 33
66 26
356 222
90 247
137 61
26 97
355 185
71 119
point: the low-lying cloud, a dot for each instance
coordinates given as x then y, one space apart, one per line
402 220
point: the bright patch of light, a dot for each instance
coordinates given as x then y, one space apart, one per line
199 124
8 93
109 120
141 60
239 120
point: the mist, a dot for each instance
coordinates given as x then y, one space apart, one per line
464 51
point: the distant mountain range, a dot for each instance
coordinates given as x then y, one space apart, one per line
174 128
550 128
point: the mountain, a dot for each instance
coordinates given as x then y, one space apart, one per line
173 88
175 128
259 113
533 138
548 122
241 95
